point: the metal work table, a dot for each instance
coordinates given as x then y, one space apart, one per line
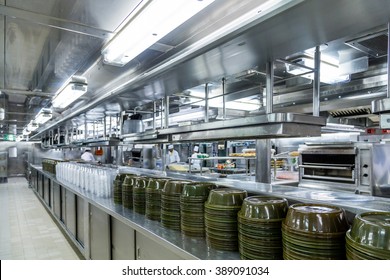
187 247
197 248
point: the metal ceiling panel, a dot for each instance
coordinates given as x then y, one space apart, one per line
23 47
101 14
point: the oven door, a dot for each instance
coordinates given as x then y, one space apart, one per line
332 168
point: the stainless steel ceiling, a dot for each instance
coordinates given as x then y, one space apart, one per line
45 42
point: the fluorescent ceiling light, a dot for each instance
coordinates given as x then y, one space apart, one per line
43 116
70 93
150 23
329 73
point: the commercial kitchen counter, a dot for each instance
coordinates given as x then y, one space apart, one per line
196 248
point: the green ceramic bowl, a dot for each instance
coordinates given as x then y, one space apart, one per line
372 229
226 197
264 208
129 179
197 189
316 218
157 183
140 182
174 187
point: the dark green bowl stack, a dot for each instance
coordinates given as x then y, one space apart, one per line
170 204
139 198
314 232
192 201
260 228
221 210
127 191
117 188
369 237
153 198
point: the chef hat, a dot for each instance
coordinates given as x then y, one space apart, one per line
196 149
170 147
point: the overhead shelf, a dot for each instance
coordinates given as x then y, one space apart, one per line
275 125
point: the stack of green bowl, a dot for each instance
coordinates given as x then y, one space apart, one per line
153 198
260 228
221 210
192 201
369 237
139 195
117 188
170 204
314 232
127 191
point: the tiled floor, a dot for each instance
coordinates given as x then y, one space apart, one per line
27 232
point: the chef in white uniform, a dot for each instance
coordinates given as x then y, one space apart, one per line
87 155
195 162
173 155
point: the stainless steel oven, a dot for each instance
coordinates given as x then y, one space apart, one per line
341 166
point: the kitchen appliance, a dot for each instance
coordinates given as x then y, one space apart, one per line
337 166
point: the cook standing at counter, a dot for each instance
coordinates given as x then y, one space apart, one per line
87 155
173 155
195 162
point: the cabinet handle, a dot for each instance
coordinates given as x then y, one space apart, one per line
138 253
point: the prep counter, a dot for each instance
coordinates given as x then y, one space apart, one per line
101 229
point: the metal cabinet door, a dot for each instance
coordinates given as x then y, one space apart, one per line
100 238
40 184
80 220
46 190
56 200
122 241
148 249
70 219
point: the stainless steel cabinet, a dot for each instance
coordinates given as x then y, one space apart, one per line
46 190
80 213
148 249
40 184
70 208
100 238
122 241
56 188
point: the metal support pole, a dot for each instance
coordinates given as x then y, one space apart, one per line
223 99
85 129
105 126
269 87
263 161
263 147
316 84
166 111
154 115
388 60
206 100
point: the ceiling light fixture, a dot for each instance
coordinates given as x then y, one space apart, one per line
150 22
73 90
329 73
43 116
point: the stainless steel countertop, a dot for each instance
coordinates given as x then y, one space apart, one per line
187 247
197 247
